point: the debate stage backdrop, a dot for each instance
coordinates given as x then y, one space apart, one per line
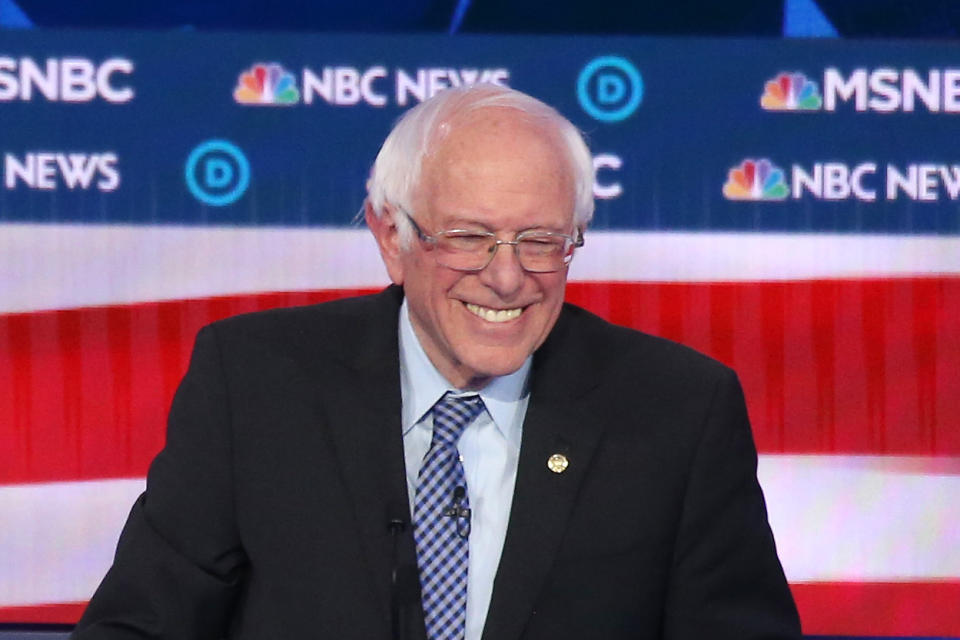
788 207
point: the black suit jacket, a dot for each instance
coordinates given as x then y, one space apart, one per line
266 514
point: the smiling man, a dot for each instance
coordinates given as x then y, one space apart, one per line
461 456
494 173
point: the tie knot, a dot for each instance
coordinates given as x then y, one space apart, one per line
452 414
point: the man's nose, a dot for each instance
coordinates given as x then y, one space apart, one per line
504 274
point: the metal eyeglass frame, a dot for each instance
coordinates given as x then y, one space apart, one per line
575 243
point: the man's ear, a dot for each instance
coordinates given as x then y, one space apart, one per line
385 231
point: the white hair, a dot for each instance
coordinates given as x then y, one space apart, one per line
395 174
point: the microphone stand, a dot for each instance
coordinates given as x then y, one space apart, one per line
396 526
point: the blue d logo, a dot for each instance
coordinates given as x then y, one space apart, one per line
610 88
217 173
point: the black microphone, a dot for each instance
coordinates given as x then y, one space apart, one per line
460 512
404 577
396 527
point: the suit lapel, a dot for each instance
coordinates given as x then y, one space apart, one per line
361 405
556 423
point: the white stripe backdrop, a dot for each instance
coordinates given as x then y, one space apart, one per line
888 519
129 264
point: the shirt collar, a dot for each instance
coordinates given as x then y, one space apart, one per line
421 385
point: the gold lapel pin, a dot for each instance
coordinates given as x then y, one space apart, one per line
558 463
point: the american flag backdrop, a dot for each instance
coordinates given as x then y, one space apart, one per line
846 338
849 364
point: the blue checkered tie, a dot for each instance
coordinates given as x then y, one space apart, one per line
441 537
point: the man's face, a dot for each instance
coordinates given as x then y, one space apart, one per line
494 171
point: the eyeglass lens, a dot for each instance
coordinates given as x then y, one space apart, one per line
473 252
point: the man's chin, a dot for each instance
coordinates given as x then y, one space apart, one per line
480 370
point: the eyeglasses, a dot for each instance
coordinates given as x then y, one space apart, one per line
467 250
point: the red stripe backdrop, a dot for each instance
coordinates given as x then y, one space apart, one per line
828 366
908 609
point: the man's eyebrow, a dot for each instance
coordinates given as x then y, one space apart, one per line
460 221
465 223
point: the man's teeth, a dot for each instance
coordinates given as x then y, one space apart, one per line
494 315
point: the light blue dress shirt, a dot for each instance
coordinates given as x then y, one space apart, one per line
489 448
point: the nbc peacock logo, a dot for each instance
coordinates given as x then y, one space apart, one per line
756 180
266 84
791 92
